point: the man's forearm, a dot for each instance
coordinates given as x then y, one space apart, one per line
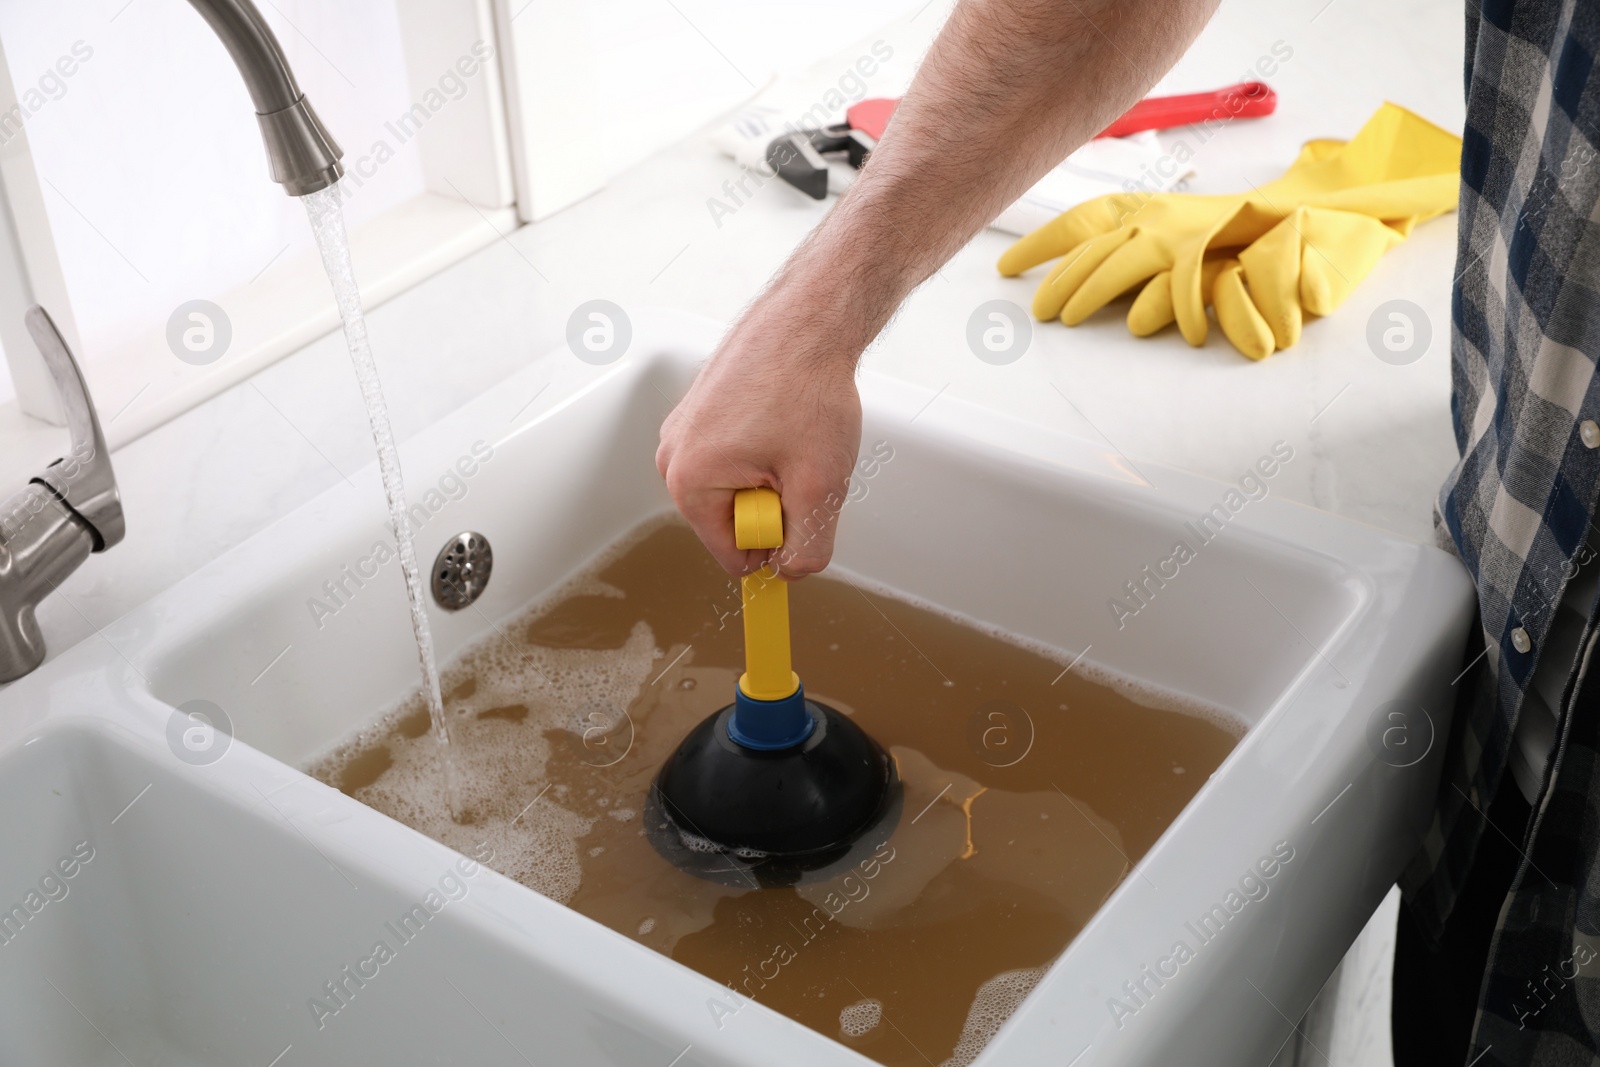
1008 90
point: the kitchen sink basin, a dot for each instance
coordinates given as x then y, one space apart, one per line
227 889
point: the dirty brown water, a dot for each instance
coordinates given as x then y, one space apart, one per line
1028 792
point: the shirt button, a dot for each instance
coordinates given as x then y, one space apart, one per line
1520 640
1589 432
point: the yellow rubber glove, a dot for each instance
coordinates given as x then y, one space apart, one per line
1397 167
1310 261
1152 308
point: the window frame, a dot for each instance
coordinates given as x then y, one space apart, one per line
472 176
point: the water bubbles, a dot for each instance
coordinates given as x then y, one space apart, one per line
860 1018
526 819
646 925
996 1000
697 844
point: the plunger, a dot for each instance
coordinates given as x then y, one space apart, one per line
774 776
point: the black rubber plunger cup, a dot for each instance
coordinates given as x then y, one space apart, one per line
783 783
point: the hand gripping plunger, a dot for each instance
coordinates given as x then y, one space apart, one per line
772 775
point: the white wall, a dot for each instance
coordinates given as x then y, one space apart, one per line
662 70
157 189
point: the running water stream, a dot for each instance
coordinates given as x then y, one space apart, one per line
324 210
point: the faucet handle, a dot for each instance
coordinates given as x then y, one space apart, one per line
83 478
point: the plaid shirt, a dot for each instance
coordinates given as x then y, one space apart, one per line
1518 510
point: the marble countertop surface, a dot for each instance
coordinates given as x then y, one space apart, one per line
1372 439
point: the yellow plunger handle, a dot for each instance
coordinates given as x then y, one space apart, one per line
758 523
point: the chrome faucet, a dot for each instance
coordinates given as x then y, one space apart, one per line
67 512
304 157
73 509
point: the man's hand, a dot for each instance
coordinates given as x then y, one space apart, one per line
1006 92
765 412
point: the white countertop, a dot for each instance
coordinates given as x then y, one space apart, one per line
1372 440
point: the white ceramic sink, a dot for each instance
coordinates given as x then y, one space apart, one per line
221 901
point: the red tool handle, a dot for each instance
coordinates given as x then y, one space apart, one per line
1245 100
871 116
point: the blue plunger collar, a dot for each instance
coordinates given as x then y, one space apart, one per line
770 725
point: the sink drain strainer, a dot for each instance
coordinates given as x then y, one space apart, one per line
461 570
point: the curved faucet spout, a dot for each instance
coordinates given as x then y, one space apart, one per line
304 157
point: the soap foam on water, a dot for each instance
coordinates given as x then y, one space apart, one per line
502 760
860 1018
1140 691
996 1000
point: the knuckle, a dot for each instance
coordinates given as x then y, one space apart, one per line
679 478
805 567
